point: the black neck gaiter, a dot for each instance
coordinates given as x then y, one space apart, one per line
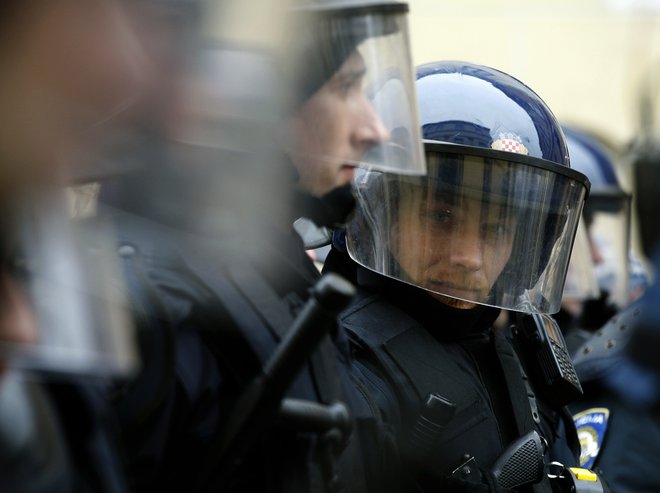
444 322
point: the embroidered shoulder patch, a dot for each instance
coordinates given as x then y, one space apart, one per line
591 426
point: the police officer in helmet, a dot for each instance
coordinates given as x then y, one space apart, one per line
67 67
436 258
607 219
616 419
348 51
217 301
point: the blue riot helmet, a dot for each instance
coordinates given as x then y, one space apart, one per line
361 49
494 220
606 214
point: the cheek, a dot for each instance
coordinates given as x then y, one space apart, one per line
500 255
428 243
35 132
88 57
333 125
414 250
321 127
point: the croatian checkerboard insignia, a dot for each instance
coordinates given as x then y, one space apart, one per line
509 142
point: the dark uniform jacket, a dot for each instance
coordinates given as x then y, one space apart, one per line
618 437
408 345
211 310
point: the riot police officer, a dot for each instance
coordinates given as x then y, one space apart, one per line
491 226
616 419
217 273
607 221
67 67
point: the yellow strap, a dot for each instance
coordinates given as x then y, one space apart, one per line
584 474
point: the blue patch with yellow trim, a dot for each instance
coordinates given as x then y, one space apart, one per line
591 426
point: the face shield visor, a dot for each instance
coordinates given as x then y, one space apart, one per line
607 216
357 75
69 274
478 228
581 282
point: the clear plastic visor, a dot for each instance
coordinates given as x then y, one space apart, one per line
359 105
476 230
581 282
607 218
75 316
390 87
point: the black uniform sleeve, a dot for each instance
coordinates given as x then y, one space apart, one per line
170 411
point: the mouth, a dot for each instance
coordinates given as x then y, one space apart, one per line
347 171
455 290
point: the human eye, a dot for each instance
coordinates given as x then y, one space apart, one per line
346 87
350 81
350 86
439 216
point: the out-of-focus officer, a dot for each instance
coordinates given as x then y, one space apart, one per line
66 68
617 419
217 273
607 214
491 226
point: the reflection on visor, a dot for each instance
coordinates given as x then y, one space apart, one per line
581 283
608 225
476 229
385 131
481 178
387 152
72 278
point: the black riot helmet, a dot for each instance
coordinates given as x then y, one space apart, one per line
494 221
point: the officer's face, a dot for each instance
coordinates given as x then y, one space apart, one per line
334 128
66 65
457 246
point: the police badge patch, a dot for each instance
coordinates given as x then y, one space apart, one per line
591 426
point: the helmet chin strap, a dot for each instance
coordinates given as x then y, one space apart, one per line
330 210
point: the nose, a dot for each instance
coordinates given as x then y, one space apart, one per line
369 129
467 247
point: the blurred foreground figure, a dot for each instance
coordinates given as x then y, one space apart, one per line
244 131
463 407
67 67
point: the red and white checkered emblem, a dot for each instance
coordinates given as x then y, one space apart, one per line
509 142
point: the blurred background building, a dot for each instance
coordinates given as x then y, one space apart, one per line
587 59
